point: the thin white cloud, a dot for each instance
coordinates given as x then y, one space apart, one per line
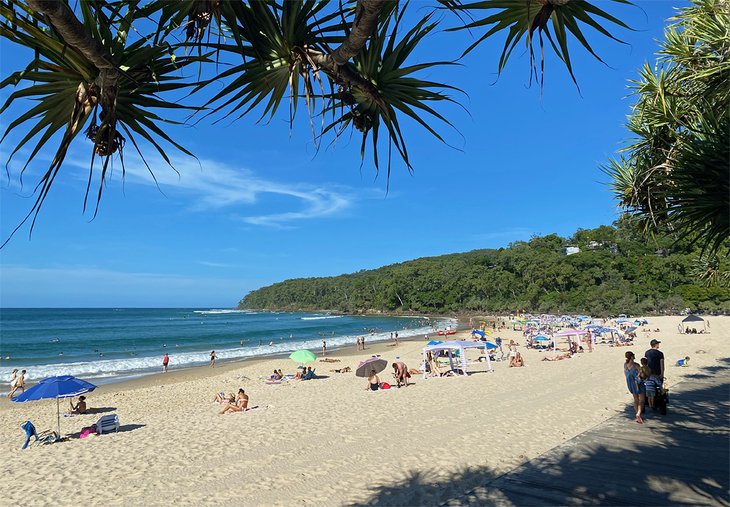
215 185
214 264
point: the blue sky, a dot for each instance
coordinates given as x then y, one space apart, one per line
259 207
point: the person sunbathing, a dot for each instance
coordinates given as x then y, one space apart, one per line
373 381
240 404
221 398
329 360
517 361
433 366
80 407
346 369
567 355
308 375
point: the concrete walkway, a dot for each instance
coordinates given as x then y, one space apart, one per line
682 458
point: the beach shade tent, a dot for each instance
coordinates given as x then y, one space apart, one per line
303 356
693 319
434 342
567 333
478 332
459 347
64 386
376 363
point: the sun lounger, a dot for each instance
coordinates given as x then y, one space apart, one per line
107 423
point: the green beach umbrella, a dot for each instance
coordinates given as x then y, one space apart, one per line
303 356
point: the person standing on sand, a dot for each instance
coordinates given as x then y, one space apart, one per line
212 359
165 362
358 343
396 338
324 348
362 342
655 362
589 341
636 386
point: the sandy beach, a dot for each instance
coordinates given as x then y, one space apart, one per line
327 441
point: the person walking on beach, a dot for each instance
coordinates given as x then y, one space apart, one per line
324 348
165 362
632 373
19 384
498 341
13 380
396 338
212 359
655 362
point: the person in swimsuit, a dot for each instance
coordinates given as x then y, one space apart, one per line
560 357
239 406
373 381
165 362
13 380
632 372
80 407
212 359
19 384
400 372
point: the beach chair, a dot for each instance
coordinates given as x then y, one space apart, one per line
42 438
107 423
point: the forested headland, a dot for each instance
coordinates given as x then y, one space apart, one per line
617 270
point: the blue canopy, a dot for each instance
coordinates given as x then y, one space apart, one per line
541 338
434 342
478 332
64 386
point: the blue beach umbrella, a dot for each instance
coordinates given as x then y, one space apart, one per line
434 342
491 345
541 339
63 386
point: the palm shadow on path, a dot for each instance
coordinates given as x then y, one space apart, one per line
682 458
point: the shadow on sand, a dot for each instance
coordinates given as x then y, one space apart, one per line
680 458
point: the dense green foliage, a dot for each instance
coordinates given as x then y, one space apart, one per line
676 170
616 271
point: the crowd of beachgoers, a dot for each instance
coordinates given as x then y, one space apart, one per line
344 411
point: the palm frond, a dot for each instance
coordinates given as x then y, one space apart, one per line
524 19
65 87
395 92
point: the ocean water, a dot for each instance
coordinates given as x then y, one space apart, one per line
112 344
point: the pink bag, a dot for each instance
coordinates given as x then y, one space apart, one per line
85 432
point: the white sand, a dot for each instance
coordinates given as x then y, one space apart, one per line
328 441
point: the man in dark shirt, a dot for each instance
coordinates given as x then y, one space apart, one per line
655 362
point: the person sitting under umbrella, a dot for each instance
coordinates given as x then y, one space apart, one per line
80 407
373 381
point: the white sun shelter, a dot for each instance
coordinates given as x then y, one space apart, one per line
456 352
